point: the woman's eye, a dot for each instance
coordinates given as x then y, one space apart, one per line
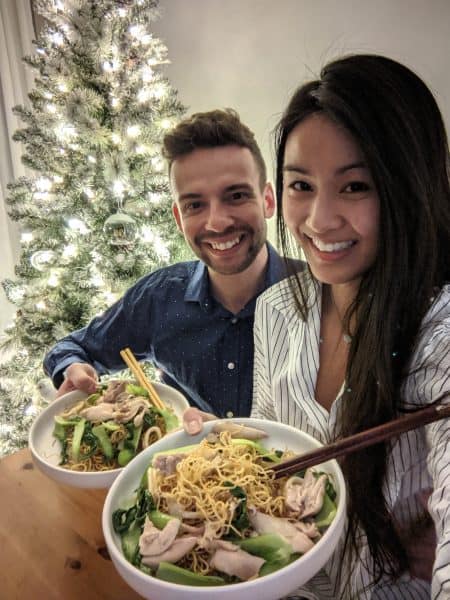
300 186
356 186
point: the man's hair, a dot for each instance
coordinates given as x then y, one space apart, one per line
211 129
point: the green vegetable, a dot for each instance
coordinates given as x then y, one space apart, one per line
136 390
124 456
240 519
100 433
130 544
92 399
122 519
110 425
77 437
159 519
66 422
173 574
170 419
327 512
270 567
270 546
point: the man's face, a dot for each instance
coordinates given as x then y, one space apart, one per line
220 207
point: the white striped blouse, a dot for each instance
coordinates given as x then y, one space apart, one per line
285 372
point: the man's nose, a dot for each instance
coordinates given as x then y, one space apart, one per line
219 217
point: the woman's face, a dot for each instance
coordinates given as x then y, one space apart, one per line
329 200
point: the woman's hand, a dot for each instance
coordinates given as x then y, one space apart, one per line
79 376
193 420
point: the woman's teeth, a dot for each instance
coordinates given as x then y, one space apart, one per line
331 247
225 245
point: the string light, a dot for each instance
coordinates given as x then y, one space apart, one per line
41 305
70 251
78 225
26 237
133 131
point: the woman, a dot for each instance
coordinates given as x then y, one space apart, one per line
363 336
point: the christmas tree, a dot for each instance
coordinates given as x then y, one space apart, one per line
95 215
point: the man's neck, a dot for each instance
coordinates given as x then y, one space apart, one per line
235 291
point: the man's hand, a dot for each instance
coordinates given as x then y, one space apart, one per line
193 420
79 376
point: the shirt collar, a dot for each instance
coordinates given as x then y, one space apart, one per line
198 286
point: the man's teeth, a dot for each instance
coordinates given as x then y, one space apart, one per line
331 247
225 245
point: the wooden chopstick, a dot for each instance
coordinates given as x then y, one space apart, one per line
136 369
363 439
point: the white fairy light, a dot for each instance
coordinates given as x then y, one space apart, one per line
154 197
58 179
53 280
62 87
133 131
57 38
41 305
17 294
65 132
43 184
48 95
161 248
115 102
122 12
143 95
110 297
40 51
77 225
159 91
31 410
89 193
141 149
157 163
137 31
147 234
118 187
147 74
41 196
92 159
166 123
116 138
51 108
97 279
70 251
26 237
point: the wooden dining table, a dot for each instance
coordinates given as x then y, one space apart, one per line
51 541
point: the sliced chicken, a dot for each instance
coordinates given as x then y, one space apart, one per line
167 463
113 390
309 529
99 412
262 523
156 541
180 547
304 497
126 411
237 562
239 431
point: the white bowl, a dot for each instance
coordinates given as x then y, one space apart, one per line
46 449
269 587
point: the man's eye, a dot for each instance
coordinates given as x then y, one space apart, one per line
237 196
300 186
191 207
356 186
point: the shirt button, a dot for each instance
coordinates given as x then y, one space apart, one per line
230 414
234 320
231 365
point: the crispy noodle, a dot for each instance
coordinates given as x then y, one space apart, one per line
201 485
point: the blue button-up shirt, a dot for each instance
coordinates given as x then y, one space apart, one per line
170 318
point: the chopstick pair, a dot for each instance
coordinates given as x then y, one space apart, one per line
136 369
366 438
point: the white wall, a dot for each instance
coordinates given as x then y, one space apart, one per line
251 54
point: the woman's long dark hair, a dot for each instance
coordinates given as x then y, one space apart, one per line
396 122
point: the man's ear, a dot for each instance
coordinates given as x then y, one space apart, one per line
269 201
177 216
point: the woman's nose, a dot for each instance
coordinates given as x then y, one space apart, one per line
323 214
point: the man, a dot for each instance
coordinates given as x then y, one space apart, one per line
193 320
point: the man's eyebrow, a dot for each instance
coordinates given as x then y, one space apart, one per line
189 196
239 186
339 171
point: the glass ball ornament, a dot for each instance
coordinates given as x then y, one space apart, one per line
43 259
121 229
